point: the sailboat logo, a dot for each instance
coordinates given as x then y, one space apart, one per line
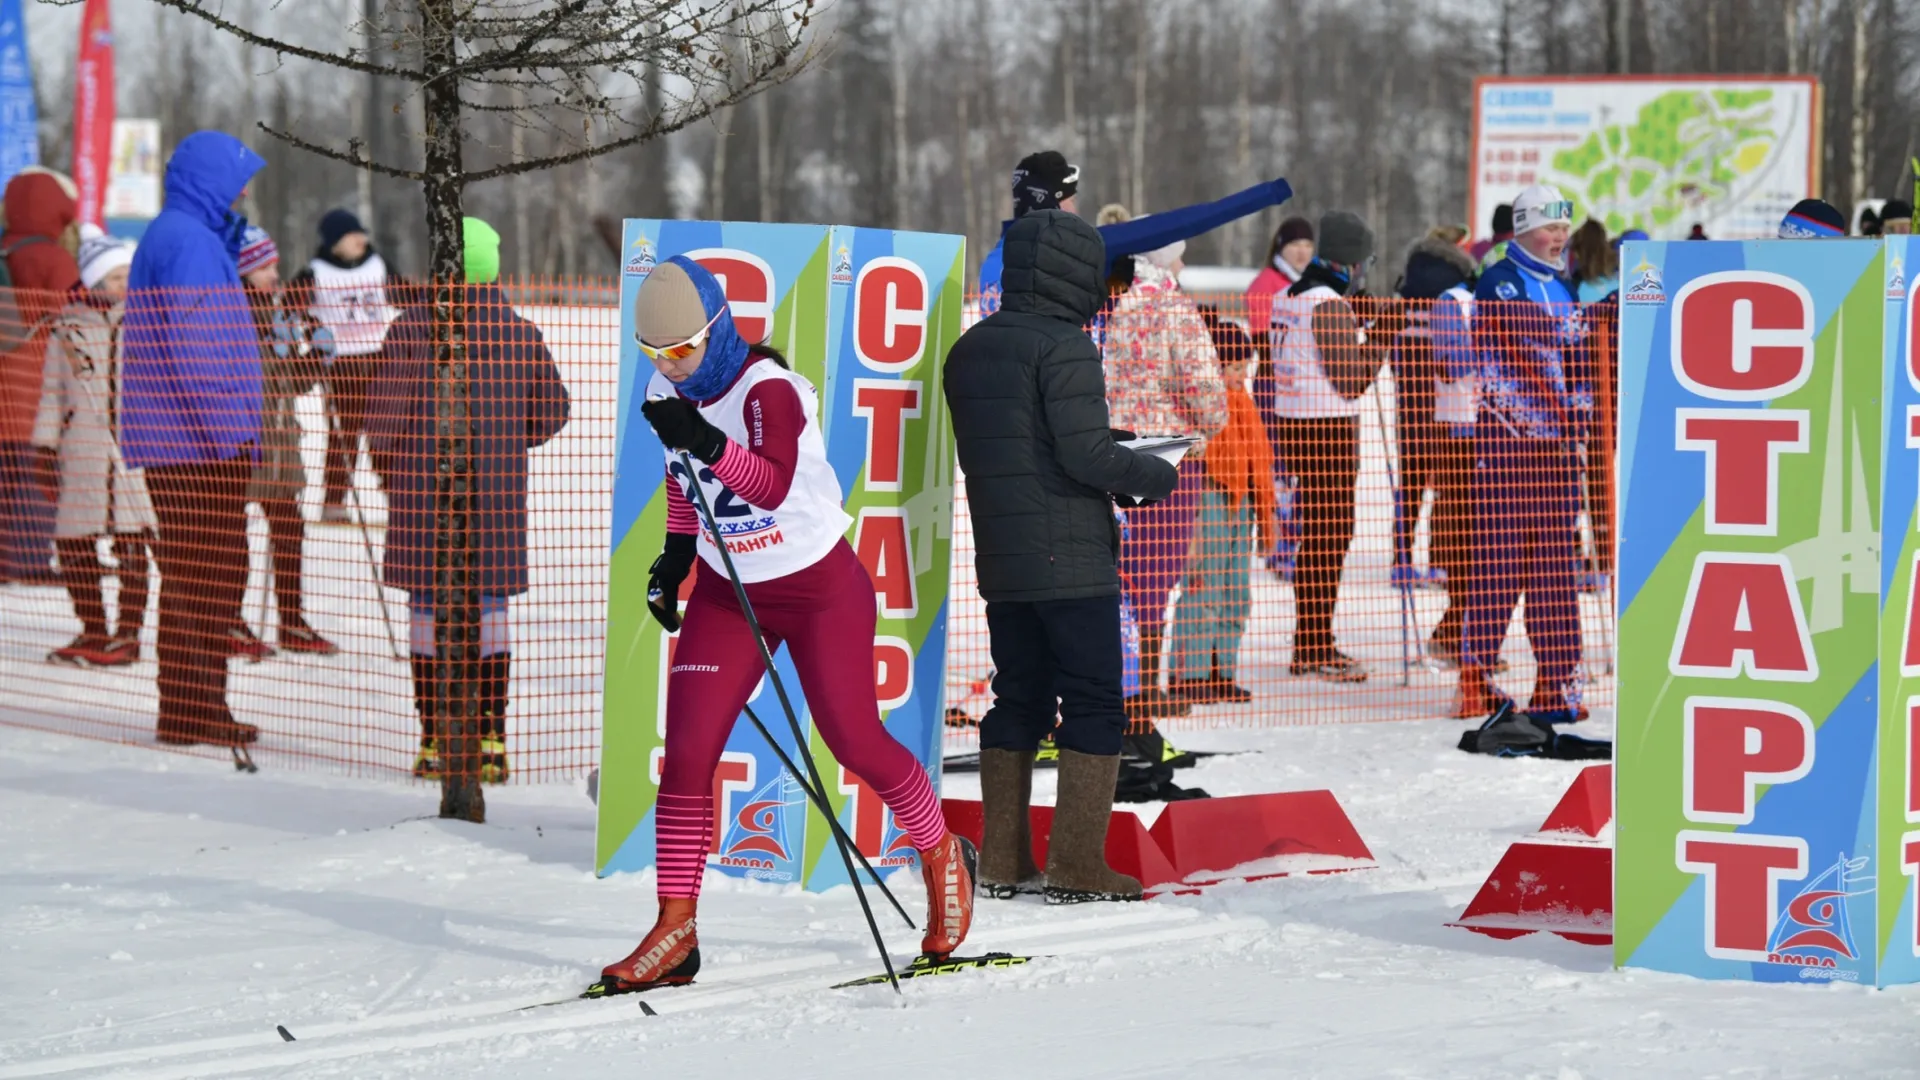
1814 930
757 837
1648 286
640 257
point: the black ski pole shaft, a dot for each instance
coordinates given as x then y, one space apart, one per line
366 541
780 691
819 799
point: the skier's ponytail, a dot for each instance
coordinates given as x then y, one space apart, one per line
755 352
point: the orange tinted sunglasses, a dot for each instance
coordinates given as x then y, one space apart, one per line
680 350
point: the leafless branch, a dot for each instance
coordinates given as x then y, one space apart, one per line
776 72
286 48
358 161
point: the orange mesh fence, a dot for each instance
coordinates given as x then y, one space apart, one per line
1331 555
1382 492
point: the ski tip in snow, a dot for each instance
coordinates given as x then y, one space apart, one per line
924 965
646 1008
285 1035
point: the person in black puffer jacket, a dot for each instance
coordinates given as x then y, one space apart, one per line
1027 394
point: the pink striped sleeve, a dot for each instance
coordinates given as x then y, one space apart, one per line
681 517
762 471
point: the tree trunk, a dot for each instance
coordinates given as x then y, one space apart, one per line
717 177
902 165
456 594
1713 36
1244 240
763 155
1623 36
1792 14
517 186
1505 43
1069 108
970 201
1137 151
1860 131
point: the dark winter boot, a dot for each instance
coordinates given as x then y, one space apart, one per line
494 673
1006 838
1549 704
1225 690
426 764
668 956
950 870
1477 696
1077 869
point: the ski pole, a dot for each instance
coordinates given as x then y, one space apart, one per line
819 800
1392 449
1593 567
779 689
366 540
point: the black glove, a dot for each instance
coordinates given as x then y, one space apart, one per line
681 427
664 578
1121 434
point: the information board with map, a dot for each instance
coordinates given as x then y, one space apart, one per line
1658 153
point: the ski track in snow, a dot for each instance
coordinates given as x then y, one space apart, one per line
164 913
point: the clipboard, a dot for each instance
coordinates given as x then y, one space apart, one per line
1169 449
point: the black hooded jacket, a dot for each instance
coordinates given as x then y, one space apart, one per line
1028 399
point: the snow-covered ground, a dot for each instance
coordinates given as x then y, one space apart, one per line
163 914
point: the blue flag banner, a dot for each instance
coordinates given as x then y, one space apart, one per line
19 120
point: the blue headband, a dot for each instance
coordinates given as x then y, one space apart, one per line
726 353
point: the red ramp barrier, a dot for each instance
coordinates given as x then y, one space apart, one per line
1561 885
1564 889
1587 807
1198 843
1286 832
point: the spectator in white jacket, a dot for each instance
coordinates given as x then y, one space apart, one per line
77 435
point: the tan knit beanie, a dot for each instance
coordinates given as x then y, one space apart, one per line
668 308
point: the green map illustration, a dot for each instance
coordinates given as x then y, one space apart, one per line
1687 152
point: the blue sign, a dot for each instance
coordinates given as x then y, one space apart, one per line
19 117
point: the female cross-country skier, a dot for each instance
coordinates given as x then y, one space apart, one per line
751 429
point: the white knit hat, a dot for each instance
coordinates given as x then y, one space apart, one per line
102 255
1539 205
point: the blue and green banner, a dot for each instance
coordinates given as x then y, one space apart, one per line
1898 850
867 315
1749 833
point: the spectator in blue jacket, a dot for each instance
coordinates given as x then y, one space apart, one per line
191 419
1529 351
1046 181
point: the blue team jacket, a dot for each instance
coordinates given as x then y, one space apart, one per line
1528 345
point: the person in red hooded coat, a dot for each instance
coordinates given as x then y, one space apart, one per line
38 247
